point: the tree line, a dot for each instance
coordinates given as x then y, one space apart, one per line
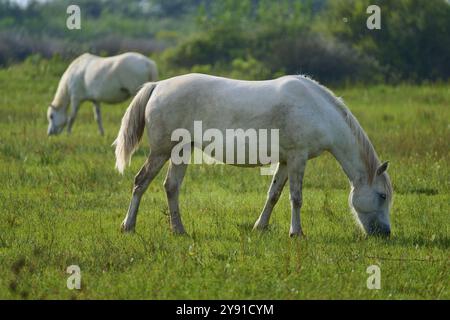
252 39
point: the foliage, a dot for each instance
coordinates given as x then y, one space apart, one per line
325 39
108 27
413 42
277 37
296 37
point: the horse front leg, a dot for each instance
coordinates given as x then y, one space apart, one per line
75 105
98 117
142 180
276 187
296 170
172 184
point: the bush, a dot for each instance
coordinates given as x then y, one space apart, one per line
252 53
413 43
249 68
324 59
219 45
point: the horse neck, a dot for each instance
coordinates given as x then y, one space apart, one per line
350 145
61 99
348 152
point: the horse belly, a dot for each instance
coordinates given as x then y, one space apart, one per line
103 84
241 155
115 96
109 92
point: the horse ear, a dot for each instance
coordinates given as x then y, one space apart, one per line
382 168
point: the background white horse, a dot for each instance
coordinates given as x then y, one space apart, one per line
97 79
310 119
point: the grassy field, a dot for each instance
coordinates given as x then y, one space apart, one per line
61 204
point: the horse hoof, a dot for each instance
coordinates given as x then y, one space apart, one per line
297 234
259 226
179 231
124 228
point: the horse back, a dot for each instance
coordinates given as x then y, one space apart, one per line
219 103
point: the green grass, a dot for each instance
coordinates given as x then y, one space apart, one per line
61 203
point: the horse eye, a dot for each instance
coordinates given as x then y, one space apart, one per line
383 196
51 117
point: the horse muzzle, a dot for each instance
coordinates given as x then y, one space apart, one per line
54 131
380 230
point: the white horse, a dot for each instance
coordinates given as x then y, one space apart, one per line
92 78
310 119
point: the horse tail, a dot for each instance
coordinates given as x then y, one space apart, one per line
132 127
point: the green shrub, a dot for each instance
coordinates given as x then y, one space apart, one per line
413 43
250 69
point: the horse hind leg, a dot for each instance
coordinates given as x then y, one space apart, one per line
145 176
172 185
98 117
276 187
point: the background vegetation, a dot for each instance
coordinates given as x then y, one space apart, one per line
253 39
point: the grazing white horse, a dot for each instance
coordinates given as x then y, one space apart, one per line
97 79
310 119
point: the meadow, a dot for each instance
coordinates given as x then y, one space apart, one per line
62 202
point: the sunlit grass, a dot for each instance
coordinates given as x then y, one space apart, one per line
61 203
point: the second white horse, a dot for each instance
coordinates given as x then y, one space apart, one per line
97 79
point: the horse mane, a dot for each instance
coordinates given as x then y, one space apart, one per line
62 93
61 96
368 153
